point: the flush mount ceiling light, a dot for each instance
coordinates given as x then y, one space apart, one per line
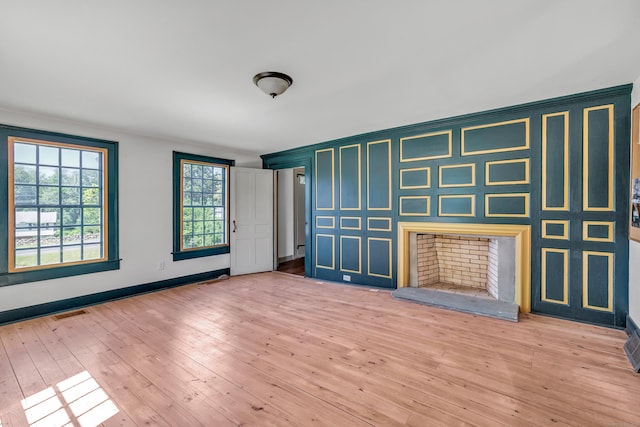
272 83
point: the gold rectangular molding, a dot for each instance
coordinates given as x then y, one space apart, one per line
565 276
471 197
585 280
428 204
585 159
521 234
332 180
426 135
464 152
359 177
466 184
359 270
406 187
487 200
565 228
369 144
370 228
354 218
610 230
390 243
487 167
321 218
333 253
565 179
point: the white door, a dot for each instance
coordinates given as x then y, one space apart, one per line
251 220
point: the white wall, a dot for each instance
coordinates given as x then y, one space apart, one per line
145 219
634 247
285 213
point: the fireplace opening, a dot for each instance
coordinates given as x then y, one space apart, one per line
480 266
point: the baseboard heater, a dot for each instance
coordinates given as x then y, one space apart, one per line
632 346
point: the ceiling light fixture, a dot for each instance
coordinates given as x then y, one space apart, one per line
272 83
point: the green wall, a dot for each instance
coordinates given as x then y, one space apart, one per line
560 166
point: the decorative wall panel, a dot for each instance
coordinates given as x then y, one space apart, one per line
560 166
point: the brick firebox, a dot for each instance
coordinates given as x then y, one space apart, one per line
464 261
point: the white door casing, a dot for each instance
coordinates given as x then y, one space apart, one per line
251 209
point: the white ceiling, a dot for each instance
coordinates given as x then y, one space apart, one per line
183 69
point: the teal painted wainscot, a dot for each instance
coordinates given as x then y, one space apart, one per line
558 167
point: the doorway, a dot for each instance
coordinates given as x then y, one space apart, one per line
292 224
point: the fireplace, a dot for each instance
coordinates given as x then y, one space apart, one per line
492 258
482 266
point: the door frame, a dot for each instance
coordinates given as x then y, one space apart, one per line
301 162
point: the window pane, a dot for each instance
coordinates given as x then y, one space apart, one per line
25 195
24 153
49 217
71 236
49 256
198 214
186 170
49 175
49 195
71 216
48 155
90 178
50 237
91 160
24 174
70 195
196 171
207 172
70 157
90 196
26 257
91 251
91 216
72 253
91 234
187 214
70 177
196 185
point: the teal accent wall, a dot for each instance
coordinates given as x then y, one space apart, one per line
559 165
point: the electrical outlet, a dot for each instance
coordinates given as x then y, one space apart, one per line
346 277
161 265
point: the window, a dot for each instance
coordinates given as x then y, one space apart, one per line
200 206
61 216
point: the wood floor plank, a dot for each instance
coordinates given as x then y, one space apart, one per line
275 349
11 412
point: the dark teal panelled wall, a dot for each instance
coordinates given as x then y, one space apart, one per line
560 166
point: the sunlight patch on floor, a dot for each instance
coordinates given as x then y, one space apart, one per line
76 400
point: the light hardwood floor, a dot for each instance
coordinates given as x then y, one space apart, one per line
277 349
